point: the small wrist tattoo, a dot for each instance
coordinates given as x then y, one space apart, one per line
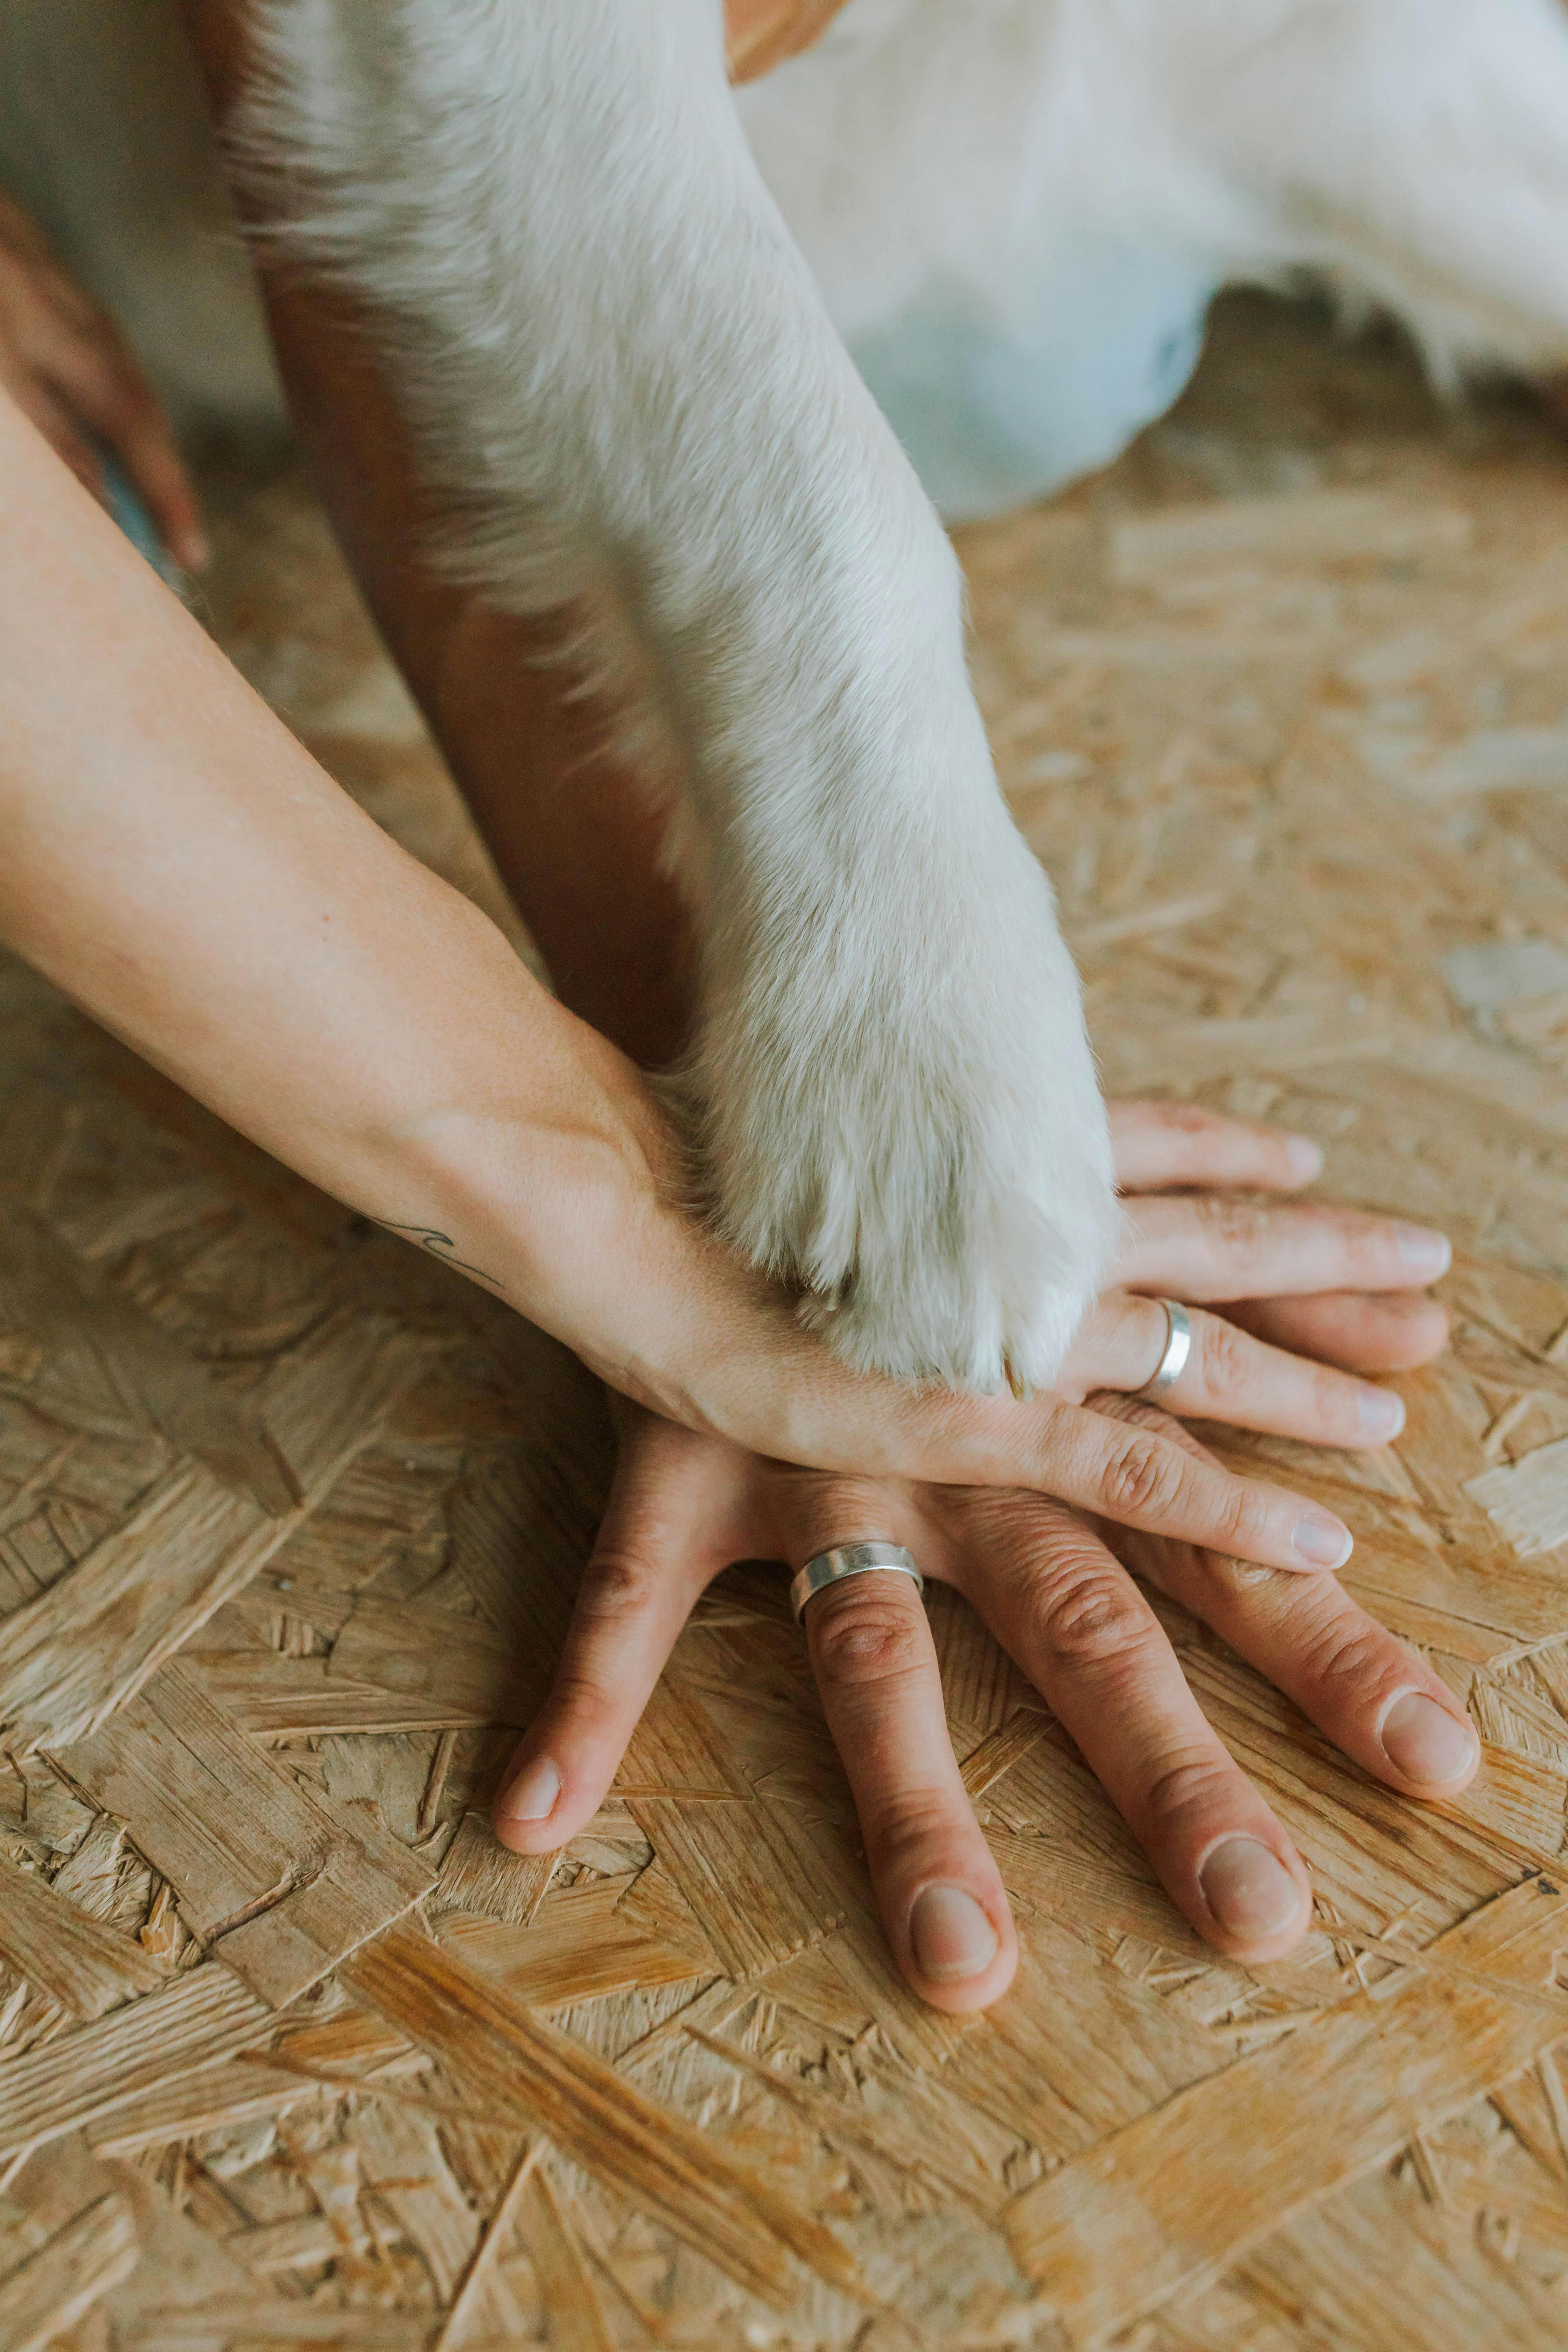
440 1246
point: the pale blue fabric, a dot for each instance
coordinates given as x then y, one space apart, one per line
995 412
125 505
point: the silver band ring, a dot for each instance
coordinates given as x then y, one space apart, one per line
1172 1362
848 1560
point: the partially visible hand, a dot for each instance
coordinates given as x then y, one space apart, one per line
1329 1283
1308 1294
65 363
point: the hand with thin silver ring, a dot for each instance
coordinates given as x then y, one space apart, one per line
1174 1355
1063 1607
1264 1313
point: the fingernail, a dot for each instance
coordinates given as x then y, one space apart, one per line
952 1935
1402 1305
1320 1539
1425 1742
533 1793
1248 1889
1305 1157
1381 1414
1424 1252
193 551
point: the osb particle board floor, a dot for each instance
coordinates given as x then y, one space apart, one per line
291 2055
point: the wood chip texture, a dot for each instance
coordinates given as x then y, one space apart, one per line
291 2053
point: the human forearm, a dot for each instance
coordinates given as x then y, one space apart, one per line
572 832
177 862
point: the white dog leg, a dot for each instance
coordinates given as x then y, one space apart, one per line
626 381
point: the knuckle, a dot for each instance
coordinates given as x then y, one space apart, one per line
585 1693
1231 1223
1240 1519
582 1696
1227 1356
1185 1785
904 1826
1092 1614
1350 1659
857 1641
1143 1475
618 1585
830 1507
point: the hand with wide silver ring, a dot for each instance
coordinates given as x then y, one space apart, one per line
1060 1604
831 1567
1265 1314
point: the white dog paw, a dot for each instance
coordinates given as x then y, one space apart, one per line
903 1122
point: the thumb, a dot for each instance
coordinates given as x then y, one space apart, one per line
653 1558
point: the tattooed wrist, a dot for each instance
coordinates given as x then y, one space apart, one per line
441 1245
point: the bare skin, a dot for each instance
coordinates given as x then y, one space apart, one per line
178 864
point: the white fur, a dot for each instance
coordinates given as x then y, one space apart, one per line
1412 152
627 379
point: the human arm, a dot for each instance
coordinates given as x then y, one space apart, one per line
181 868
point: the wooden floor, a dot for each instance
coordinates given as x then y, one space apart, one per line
291 2054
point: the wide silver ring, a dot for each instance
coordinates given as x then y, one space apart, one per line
1172 1362
848 1560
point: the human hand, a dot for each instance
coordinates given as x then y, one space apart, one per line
1042 1578
1302 1286
699 1341
684 1506
65 363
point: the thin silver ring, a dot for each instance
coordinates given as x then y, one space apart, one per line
848 1560
1172 1362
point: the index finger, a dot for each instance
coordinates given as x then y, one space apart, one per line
1121 1471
